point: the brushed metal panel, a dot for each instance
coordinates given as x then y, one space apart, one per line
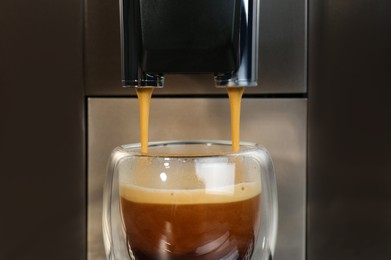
278 124
283 52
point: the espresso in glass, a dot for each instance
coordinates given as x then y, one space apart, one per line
191 224
190 200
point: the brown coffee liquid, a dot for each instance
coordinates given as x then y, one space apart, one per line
235 99
186 225
144 98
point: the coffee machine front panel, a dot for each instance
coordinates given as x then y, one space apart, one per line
189 106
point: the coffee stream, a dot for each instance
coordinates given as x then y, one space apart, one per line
144 98
235 97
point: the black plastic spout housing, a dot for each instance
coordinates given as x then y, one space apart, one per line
183 36
189 36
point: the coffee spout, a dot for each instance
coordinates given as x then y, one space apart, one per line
216 37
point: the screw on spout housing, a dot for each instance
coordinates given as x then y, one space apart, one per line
145 81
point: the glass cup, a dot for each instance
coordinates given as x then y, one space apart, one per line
190 200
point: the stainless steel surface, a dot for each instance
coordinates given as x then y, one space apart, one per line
278 124
282 52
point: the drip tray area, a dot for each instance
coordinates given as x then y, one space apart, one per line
280 125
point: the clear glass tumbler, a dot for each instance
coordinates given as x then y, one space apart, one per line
190 200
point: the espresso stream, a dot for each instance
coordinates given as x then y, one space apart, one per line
144 98
235 98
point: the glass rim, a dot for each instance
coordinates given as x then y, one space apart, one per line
245 147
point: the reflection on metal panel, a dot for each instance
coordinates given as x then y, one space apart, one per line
277 124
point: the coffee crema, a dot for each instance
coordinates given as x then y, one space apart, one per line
191 224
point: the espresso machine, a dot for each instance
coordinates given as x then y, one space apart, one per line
321 108
190 51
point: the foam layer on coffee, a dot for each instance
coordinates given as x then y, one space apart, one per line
225 194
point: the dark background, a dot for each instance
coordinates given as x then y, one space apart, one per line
349 170
42 171
42 177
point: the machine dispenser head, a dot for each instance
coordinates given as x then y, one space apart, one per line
189 36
